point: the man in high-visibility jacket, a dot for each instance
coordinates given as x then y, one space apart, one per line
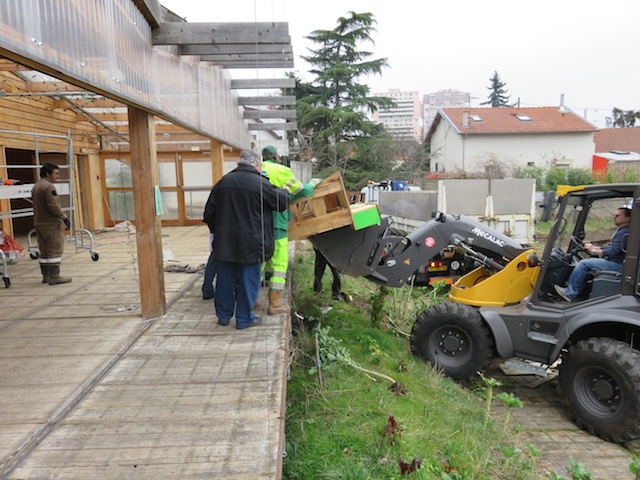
276 268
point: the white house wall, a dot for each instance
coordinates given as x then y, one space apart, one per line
452 151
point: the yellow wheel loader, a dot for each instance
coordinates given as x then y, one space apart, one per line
508 306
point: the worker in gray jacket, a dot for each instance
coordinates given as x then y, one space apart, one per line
48 220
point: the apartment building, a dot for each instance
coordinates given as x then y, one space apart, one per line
404 120
442 99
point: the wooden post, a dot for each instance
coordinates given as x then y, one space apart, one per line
217 160
5 205
148 232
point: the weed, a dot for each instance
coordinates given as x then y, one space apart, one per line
332 350
533 453
555 476
377 305
407 468
490 383
634 466
578 471
392 430
510 401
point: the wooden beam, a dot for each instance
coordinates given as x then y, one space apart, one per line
199 33
53 87
5 205
231 48
257 83
151 10
217 160
273 126
261 114
9 66
268 100
148 232
90 103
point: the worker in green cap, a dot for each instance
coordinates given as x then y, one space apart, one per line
276 268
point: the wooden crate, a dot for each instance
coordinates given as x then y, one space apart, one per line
327 209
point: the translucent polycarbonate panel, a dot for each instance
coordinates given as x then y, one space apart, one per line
105 45
167 173
169 205
121 205
197 173
194 202
117 173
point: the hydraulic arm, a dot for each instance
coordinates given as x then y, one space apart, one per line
387 258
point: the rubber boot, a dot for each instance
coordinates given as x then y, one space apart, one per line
54 275
44 268
275 305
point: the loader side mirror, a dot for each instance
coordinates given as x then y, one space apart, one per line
533 260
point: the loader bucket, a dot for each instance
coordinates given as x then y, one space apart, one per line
354 252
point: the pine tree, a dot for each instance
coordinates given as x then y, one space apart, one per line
332 108
338 63
498 96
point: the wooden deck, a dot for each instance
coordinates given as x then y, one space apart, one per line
91 390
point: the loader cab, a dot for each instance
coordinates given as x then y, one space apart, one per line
586 215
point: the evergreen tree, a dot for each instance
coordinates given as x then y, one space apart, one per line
498 96
332 108
625 118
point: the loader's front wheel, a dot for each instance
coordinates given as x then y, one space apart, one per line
600 381
454 337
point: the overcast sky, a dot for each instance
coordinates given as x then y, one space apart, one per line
584 49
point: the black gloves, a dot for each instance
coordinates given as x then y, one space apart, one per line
67 223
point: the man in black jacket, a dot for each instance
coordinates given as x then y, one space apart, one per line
239 214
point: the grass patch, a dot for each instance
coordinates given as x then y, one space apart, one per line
361 407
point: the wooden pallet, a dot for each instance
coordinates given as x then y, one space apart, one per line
327 209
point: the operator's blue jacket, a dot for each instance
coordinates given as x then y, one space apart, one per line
618 248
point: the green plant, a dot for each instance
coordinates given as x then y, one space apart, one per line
634 466
578 471
555 476
332 350
490 383
405 305
377 305
533 454
510 401
510 453
532 171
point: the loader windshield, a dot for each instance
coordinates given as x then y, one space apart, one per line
591 222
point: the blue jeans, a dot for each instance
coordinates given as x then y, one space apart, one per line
578 278
209 274
237 288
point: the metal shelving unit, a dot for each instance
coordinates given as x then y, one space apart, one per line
80 237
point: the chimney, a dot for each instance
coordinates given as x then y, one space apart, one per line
562 109
465 119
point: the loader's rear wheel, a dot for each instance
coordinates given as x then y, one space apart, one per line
454 337
600 381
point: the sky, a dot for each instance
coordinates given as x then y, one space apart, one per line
584 50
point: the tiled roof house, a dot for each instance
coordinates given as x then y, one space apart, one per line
617 150
618 139
467 138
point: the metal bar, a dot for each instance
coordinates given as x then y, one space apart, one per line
47 135
78 109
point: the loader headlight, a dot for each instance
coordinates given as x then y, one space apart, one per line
455 265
